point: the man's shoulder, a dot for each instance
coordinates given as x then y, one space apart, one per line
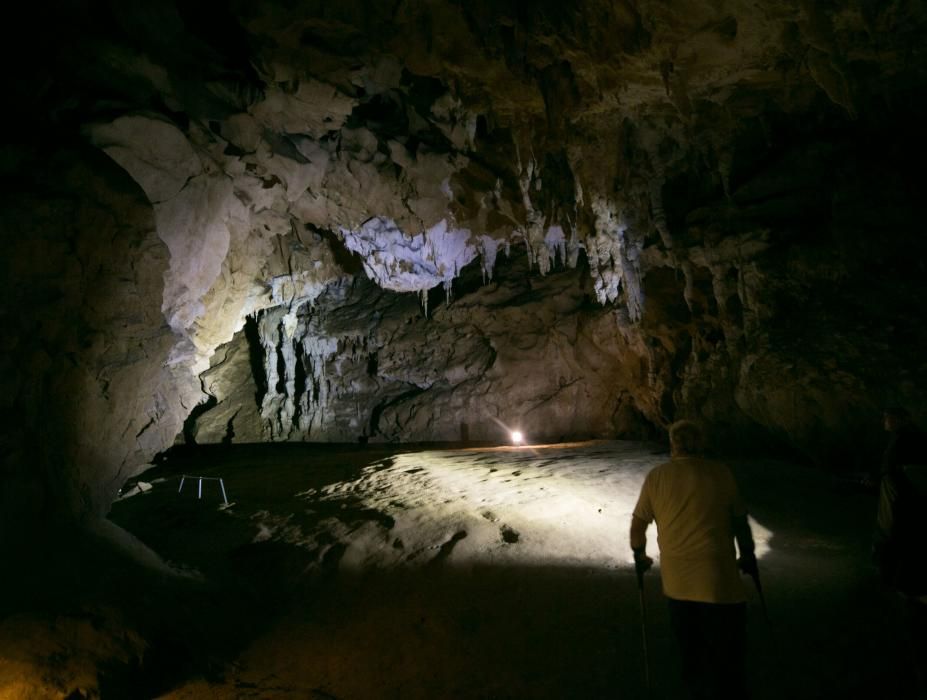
660 470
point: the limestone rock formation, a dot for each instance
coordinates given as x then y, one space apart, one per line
524 351
711 205
87 371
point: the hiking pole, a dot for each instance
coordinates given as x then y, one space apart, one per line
640 591
755 575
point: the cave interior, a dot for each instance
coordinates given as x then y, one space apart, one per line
334 254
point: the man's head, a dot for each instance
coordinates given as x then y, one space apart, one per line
686 439
894 418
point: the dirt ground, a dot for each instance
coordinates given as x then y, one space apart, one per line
355 573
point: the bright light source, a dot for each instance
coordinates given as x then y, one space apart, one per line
517 437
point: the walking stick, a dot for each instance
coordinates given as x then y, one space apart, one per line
640 591
755 575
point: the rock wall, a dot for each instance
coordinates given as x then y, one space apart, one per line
729 185
780 318
525 351
89 393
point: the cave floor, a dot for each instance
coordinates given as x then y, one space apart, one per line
351 573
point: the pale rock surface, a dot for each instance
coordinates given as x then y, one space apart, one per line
237 417
404 262
152 150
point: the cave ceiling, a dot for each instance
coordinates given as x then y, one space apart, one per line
277 161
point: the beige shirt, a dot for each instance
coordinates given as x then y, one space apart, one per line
693 502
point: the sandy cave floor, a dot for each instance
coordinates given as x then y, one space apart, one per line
354 573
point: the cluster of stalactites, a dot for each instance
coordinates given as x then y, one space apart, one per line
545 240
418 262
290 338
614 258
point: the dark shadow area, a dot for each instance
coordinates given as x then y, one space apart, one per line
77 605
256 358
189 425
834 630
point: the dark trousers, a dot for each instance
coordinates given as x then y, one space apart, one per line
712 640
916 616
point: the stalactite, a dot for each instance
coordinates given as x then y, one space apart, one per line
539 251
318 349
614 259
629 252
288 408
269 330
305 419
489 248
293 336
688 291
659 212
725 165
573 246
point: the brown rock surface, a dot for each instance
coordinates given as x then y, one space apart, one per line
730 183
429 220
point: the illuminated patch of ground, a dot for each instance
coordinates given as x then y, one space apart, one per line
496 573
562 505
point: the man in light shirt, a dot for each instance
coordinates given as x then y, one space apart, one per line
699 514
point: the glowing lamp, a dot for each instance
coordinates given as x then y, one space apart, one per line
517 437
